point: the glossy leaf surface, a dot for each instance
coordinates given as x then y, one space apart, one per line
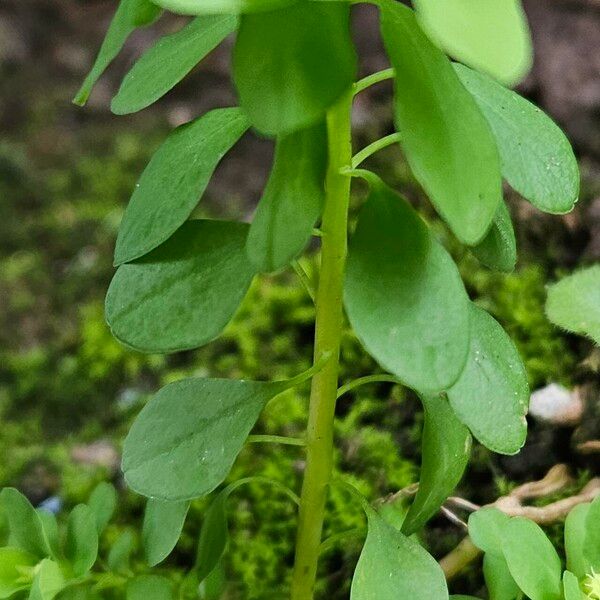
491 396
498 249
490 35
574 303
163 523
291 65
393 566
169 61
81 547
404 296
184 293
292 201
130 15
185 440
445 137
536 157
176 177
446 445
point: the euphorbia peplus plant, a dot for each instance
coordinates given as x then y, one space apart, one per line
180 281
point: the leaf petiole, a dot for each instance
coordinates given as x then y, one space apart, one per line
275 439
351 385
377 145
372 79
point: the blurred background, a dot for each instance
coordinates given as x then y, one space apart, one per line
68 391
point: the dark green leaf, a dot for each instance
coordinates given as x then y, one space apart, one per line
181 295
292 200
591 544
575 533
176 177
103 501
81 548
209 7
532 560
48 581
169 61
120 552
492 394
13 561
404 296
571 588
26 529
149 587
498 249
446 445
536 157
393 566
574 303
291 65
213 536
447 141
490 35
130 15
163 523
185 440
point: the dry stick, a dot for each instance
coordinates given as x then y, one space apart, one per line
589 447
556 479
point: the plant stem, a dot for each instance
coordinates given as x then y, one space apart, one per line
328 333
275 439
372 79
377 145
352 385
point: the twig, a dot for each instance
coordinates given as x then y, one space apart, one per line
589 447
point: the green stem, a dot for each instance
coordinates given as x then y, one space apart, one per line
328 333
275 439
370 80
384 142
383 378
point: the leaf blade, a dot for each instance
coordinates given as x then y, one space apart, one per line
163 523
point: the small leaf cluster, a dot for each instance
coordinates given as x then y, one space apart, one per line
520 559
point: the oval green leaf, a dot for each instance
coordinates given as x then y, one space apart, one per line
103 501
491 396
574 303
536 157
13 562
591 544
81 546
130 15
489 35
498 249
149 587
163 523
445 137
214 536
185 440
176 177
393 566
404 296
498 580
181 295
48 581
446 445
120 552
292 201
209 7
571 588
575 533
485 529
163 66
291 65
532 559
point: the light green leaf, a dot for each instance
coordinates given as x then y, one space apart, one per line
536 157
103 501
163 523
130 15
169 61
176 177
574 303
446 445
393 566
181 295
463 597
47 582
25 525
404 296
120 552
499 581
575 533
485 528
532 560
185 440
498 249
214 536
571 588
490 35
292 201
591 544
209 7
149 587
81 547
12 562
50 528
492 394
291 65
445 137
